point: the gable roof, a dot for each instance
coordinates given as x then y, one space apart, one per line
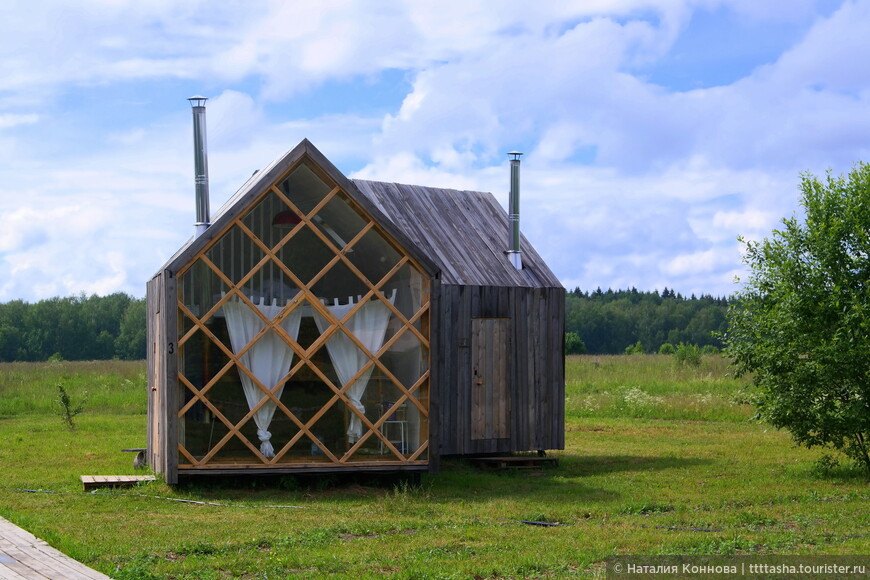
239 202
464 232
461 234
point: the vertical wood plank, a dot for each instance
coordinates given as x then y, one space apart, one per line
153 295
463 379
479 380
170 392
436 380
557 324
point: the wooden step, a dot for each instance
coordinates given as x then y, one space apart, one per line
96 481
515 462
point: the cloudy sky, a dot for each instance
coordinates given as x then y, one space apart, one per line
655 132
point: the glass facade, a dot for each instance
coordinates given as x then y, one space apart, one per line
303 337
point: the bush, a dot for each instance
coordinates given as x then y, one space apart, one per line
636 348
688 355
709 349
667 348
574 344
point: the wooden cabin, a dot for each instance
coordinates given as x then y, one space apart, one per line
322 324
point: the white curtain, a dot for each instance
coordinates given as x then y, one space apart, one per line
368 325
268 359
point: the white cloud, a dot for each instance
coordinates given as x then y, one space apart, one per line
694 263
9 120
625 183
748 220
832 57
17 230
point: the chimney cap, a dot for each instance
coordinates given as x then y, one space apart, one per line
197 100
515 154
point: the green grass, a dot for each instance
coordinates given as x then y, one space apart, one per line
655 387
112 387
667 461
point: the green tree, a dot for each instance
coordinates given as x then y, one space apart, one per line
131 341
636 348
574 344
607 321
801 324
74 328
687 355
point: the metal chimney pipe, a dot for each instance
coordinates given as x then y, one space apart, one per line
200 164
514 253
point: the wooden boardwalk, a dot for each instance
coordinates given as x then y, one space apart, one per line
23 556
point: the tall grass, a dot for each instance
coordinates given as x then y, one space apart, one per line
113 387
654 386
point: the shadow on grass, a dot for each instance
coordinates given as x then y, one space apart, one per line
587 465
563 483
297 482
457 480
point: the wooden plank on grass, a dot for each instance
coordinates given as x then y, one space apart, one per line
96 481
24 556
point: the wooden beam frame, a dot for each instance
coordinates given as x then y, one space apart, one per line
305 356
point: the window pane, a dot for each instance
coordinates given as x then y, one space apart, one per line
374 256
304 188
305 255
200 288
339 221
271 285
270 219
235 254
411 291
339 283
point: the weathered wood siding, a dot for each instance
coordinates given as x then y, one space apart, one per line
535 382
156 374
162 362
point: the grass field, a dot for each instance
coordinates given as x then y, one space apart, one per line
659 459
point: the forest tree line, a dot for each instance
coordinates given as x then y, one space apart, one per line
100 328
74 328
609 322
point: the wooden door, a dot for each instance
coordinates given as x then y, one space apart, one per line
490 396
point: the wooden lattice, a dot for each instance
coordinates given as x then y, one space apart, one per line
415 394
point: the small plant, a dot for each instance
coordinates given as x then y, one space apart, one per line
743 396
640 403
688 355
646 509
407 491
825 465
65 407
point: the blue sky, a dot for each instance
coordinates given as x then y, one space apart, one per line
655 132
